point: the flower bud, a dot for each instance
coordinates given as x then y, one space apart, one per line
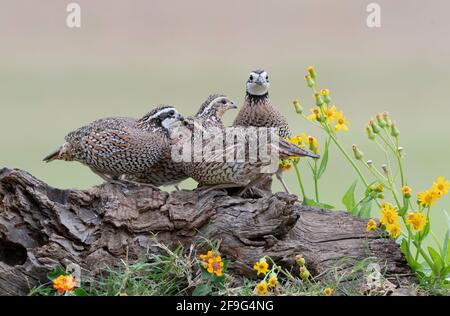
381 196
357 153
304 273
379 188
369 163
394 131
385 169
326 95
312 72
375 127
400 150
381 121
319 100
313 144
370 133
300 260
387 118
297 106
406 191
309 81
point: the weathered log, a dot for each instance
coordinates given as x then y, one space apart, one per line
42 227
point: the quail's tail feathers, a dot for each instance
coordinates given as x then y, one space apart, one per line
289 150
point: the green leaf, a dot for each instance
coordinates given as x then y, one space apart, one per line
445 251
365 209
80 292
56 273
409 257
349 197
437 260
324 160
202 290
311 202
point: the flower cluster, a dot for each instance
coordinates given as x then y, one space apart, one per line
270 277
64 283
390 219
429 197
212 263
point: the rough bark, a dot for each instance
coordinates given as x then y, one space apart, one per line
42 227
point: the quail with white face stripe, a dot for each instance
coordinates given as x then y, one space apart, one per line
117 146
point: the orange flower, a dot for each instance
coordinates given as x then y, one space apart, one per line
64 283
215 266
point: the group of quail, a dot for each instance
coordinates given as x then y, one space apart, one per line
126 150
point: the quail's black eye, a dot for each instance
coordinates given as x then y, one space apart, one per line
171 113
251 77
267 77
223 101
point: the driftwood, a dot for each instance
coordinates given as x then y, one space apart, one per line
42 227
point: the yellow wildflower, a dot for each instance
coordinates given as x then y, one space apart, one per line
417 220
299 140
261 266
261 288
406 191
206 257
427 198
441 186
389 214
371 225
341 122
64 283
331 114
394 229
315 114
285 164
328 291
215 266
273 280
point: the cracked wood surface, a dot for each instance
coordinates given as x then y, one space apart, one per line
42 227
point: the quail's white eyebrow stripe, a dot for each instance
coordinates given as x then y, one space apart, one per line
160 112
207 108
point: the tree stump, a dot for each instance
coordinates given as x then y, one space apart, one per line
43 227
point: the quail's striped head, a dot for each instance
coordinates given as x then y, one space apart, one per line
258 82
215 106
162 116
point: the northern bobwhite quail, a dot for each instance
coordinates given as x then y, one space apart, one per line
117 146
169 172
259 111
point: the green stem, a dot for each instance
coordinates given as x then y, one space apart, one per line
358 171
316 185
299 179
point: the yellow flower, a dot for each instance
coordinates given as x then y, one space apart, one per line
261 266
427 198
417 220
406 191
325 92
123 294
341 122
389 214
371 225
394 230
441 186
299 140
64 283
206 257
331 114
285 164
315 114
261 288
273 280
328 291
215 266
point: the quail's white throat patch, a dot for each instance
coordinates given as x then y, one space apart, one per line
257 89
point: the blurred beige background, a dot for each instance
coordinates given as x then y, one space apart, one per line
129 56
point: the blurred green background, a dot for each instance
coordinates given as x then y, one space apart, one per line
126 58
